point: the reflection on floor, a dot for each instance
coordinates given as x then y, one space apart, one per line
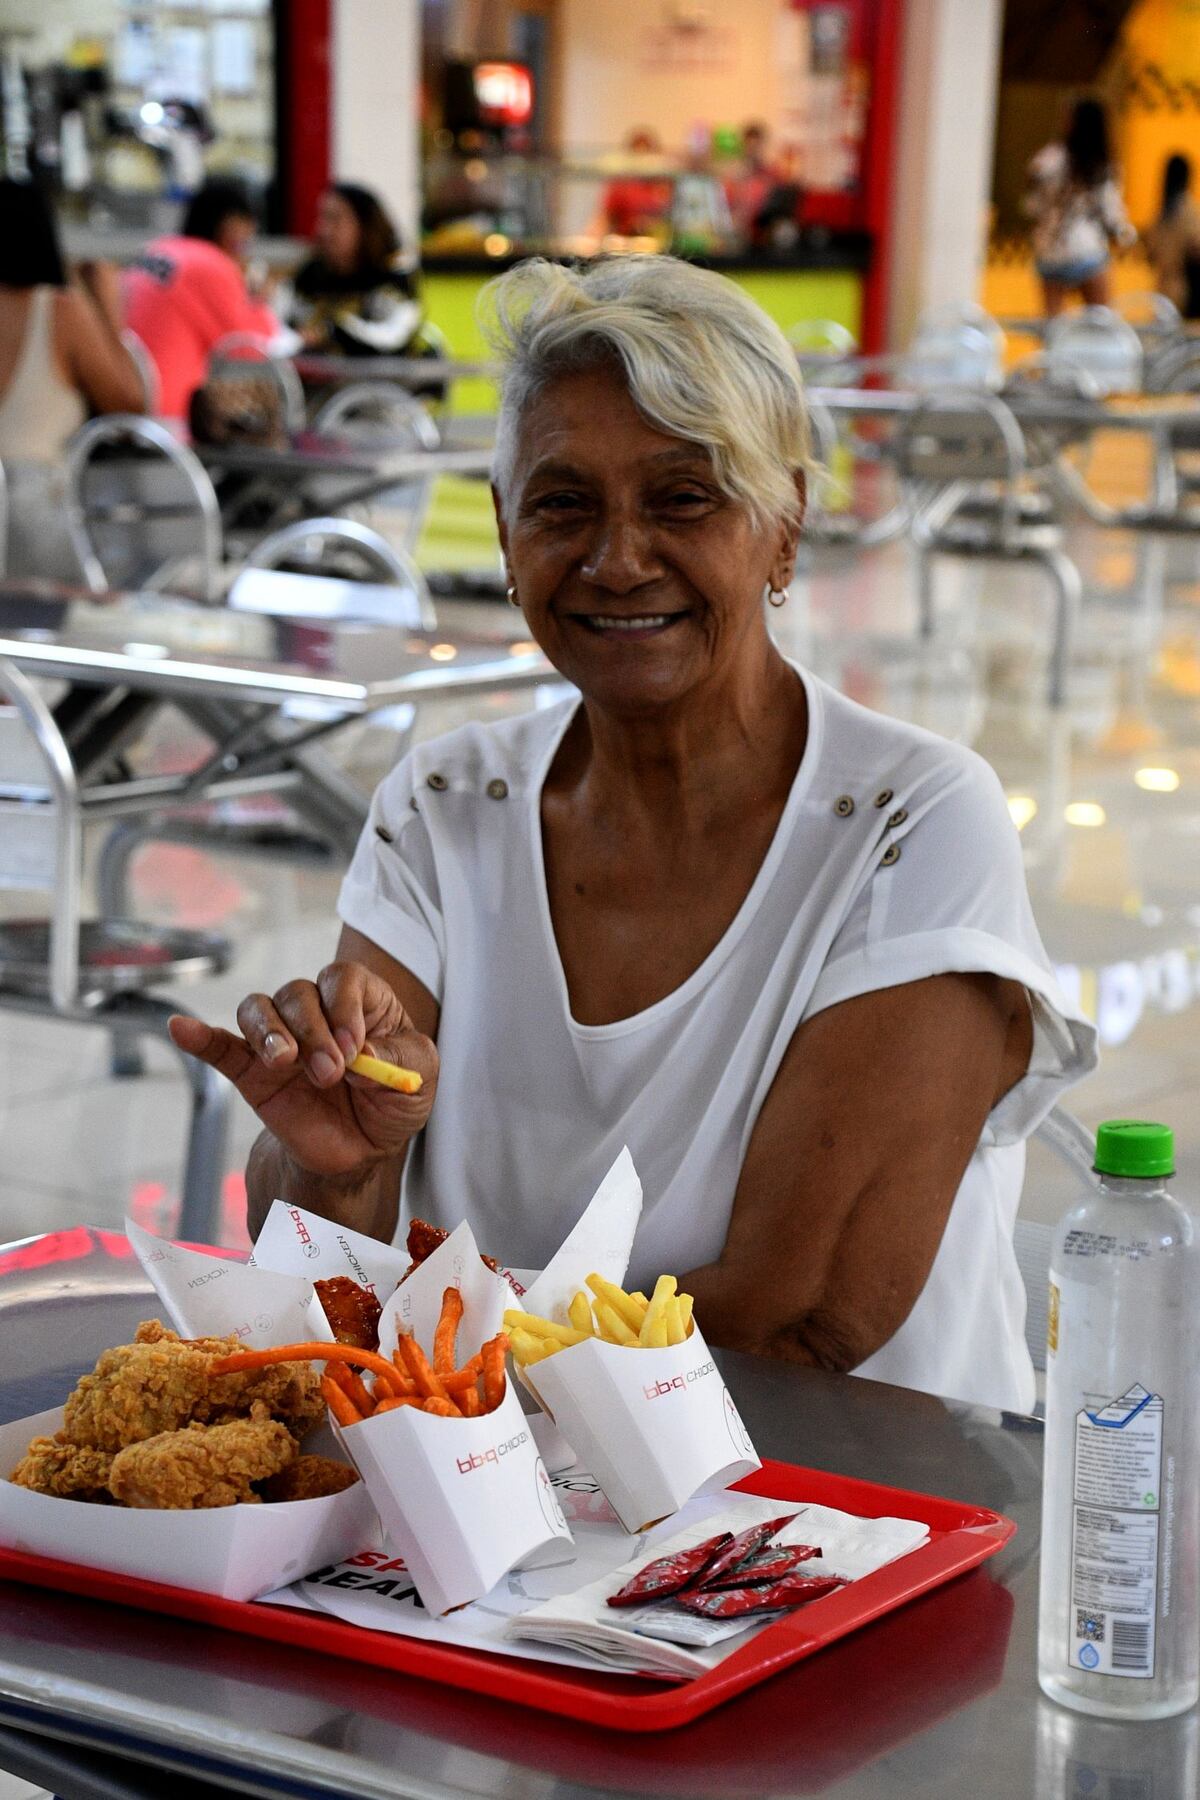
1107 794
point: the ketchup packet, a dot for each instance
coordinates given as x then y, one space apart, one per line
781 1596
669 1574
744 1545
771 1564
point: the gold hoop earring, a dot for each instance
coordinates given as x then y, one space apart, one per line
510 594
782 596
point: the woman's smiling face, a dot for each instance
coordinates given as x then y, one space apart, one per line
638 576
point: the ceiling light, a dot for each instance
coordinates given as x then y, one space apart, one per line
442 652
1021 808
1157 781
1086 813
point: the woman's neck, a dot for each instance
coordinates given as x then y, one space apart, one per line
693 758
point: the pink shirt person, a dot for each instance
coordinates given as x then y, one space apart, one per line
182 296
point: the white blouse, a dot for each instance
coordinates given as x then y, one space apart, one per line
894 859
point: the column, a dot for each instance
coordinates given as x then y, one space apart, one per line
376 87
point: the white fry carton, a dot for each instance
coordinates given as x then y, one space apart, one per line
462 1500
295 1242
654 1427
236 1552
210 1296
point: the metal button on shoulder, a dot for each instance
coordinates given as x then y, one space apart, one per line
383 834
437 782
897 818
497 790
891 855
844 807
882 798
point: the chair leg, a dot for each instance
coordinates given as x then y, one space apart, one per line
126 1061
1068 590
925 610
199 1218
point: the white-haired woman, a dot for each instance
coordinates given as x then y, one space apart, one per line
778 945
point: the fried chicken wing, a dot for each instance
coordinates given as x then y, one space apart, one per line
353 1311
68 1471
309 1478
162 1382
202 1465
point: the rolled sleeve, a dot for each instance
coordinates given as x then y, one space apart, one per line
390 893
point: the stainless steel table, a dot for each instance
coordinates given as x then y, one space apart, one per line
937 1702
346 473
317 370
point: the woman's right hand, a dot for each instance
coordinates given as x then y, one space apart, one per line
290 1061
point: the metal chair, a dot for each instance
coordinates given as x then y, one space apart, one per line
1099 341
348 550
141 510
147 370
243 354
949 337
959 448
380 415
105 971
825 350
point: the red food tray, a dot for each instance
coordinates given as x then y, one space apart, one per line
960 1537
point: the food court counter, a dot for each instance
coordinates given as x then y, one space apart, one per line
936 1701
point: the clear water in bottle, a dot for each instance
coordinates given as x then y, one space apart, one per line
1119 1631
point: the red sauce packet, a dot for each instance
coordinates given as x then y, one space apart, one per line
734 1603
769 1565
744 1545
668 1574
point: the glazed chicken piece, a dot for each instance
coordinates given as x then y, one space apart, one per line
68 1471
162 1382
202 1465
309 1478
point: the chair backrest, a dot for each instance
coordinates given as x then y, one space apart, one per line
378 412
826 351
1176 370
345 552
147 370
141 510
959 438
945 356
1038 374
1151 313
1101 342
243 354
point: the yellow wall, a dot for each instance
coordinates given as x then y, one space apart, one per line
1161 35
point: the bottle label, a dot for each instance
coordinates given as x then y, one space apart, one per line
1115 1531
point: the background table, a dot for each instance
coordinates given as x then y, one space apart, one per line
937 1702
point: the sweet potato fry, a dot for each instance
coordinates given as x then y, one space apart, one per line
468 1402
426 1380
458 1380
395 1401
242 1360
446 1331
442 1409
339 1404
357 1391
494 1352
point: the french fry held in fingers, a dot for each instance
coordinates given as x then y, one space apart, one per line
390 1075
611 1315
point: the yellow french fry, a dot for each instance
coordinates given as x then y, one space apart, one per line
673 1321
612 1325
640 1300
405 1081
580 1314
618 1300
653 1332
534 1326
528 1349
685 1314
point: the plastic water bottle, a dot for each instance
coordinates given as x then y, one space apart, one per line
1119 1632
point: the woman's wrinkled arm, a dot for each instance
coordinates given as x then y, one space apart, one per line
854 1164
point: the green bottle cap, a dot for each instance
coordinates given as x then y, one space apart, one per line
1135 1147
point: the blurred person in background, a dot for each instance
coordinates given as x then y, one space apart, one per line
187 292
750 187
357 295
61 358
638 205
1074 200
1173 241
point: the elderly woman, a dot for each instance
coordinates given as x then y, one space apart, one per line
777 944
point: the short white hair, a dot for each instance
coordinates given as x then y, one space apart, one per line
702 361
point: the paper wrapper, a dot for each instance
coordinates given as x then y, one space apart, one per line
462 1500
295 1242
236 1552
209 1296
654 1427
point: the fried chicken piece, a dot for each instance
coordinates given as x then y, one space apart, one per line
352 1311
68 1471
162 1382
202 1465
423 1239
309 1478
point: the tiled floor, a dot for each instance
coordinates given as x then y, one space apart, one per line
1117 895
